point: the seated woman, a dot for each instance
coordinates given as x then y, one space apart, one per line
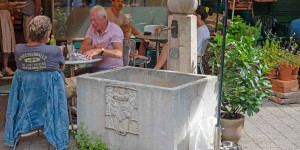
36 55
202 35
37 99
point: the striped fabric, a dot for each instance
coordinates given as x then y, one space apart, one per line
7 34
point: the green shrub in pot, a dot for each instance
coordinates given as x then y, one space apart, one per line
244 83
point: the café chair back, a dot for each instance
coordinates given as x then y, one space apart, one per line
37 100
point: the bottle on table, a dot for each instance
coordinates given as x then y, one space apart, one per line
52 40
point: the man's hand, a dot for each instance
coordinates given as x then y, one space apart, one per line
140 34
90 53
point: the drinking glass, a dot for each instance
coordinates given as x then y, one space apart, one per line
70 46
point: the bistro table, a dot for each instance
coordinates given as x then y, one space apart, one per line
73 63
162 38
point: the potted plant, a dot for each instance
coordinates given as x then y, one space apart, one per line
244 83
240 5
296 65
287 60
271 50
295 59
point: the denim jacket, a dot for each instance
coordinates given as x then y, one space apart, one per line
37 100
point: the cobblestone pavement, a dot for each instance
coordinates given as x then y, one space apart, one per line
275 127
33 141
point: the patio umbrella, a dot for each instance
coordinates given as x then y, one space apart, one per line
218 127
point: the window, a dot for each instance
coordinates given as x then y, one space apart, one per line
71 17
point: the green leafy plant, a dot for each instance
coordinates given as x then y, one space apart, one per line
239 28
271 52
244 83
88 141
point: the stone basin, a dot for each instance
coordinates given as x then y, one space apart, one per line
145 109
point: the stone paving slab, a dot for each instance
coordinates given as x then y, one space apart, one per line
275 127
33 141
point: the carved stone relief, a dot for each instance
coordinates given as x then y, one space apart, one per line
121 111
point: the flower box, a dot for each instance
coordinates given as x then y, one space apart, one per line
265 0
240 6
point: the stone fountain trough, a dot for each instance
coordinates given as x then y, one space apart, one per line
144 109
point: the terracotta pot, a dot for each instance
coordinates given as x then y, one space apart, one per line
182 6
272 74
295 73
294 77
233 129
240 6
285 72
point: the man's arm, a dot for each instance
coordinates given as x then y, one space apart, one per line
134 31
37 7
87 45
62 67
117 52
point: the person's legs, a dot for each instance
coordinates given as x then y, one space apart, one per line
162 60
7 40
6 70
143 50
26 21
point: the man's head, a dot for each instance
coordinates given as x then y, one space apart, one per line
98 17
117 4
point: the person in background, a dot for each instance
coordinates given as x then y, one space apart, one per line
117 16
103 38
203 34
294 30
29 11
7 36
36 55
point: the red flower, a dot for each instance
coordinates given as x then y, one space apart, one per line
228 23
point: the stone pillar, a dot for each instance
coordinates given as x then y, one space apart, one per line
182 40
